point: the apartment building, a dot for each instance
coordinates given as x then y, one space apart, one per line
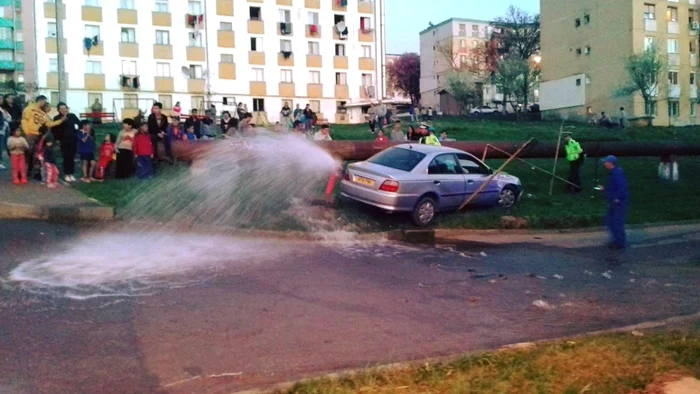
129 53
11 45
585 45
443 48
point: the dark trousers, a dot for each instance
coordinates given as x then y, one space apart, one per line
372 125
575 175
615 221
68 151
144 167
155 140
380 120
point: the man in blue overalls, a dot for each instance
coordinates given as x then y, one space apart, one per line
618 199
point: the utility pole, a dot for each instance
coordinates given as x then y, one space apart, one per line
59 51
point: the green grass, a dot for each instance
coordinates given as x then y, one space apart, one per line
618 363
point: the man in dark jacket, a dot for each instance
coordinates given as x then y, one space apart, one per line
13 108
157 128
194 121
67 134
618 199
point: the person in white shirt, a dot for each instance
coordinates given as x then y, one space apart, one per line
324 134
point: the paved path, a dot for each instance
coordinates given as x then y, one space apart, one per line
274 311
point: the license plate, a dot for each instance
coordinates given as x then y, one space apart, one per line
364 181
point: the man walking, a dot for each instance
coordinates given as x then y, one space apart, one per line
574 155
618 199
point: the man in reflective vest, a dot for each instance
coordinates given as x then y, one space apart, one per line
430 139
574 155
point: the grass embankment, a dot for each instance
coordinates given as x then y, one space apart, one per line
619 363
652 199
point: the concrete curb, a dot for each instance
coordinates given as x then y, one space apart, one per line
453 358
56 213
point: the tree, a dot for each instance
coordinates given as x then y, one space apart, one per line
514 77
643 70
465 91
518 33
404 74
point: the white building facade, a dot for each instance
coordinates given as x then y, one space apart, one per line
263 53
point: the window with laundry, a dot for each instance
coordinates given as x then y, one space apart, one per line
314 48
256 44
129 67
341 79
315 77
162 37
51 26
161 6
255 13
127 5
366 24
226 58
93 67
258 75
340 49
286 76
194 7
195 40
163 70
128 34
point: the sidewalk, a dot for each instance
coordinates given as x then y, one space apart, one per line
35 201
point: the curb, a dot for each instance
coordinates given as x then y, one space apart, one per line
68 214
285 386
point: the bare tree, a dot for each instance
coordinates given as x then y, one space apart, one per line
644 69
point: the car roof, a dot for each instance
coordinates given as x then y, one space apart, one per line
427 149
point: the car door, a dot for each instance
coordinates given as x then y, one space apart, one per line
476 173
448 181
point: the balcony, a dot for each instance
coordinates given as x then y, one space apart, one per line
315 4
196 86
227 70
366 64
164 84
224 7
650 24
95 50
337 7
314 90
365 7
342 118
164 52
287 89
7 44
226 39
286 3
195 54
342 92
314 61
258 88
256 27
285 62
693 60
674 27
256 58
290 29
366 35
51 47
127 17
340 62
7 22
161 19
309 34
128 49
6 65
50 10
674 59
91 14
693 91
674 91
94 81
52 80
367 92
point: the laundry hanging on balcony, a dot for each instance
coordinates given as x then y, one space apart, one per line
195 21
342 30
342 3
313 29
89 43
285 28
287 54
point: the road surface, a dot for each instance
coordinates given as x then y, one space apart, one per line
283 310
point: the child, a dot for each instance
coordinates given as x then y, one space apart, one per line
143 151
18 146
39 157
125 154
86 149
50 161
106 157
190 136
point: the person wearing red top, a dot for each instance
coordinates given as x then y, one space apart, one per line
381 141
106 157
143 151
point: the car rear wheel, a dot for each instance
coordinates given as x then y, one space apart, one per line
424 212
508 197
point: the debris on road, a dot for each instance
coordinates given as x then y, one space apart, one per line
607 274
483 254
632 280
587 272
557 276
531 275
493 281
541 277
637 333
542 304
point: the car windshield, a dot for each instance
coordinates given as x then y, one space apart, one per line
398 158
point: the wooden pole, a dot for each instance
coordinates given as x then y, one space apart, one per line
534 167
556 158
498 171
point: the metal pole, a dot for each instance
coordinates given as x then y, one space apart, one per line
498 171
59 50
556 158
206 54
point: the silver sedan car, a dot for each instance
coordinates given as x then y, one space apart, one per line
424 180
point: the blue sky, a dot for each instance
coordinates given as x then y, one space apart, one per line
406 18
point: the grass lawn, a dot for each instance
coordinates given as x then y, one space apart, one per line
619 363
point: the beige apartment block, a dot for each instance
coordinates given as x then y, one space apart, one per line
585 45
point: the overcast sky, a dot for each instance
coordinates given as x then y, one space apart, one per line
406 18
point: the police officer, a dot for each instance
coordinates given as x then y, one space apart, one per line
575 157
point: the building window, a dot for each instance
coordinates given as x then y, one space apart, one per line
255 14
227 26
315 77
226 58
166 100
577 23
92 3
692 47
475 30
672 45
462 43
649 11
672 14
51 29
285 45
587 50
19 37
94 96
578 81
462 30
128 34
365 24
93 67
127 5
162 37
475 44
366 51
315 106
586 19
129 67
131 100
579 51
341 79
286 76
162 6
337 18
55 98
462 60
256 44
285 16
53 65
194 7
340 49
650 109
92 31
258 105
259 75
197 102
163 70
673 77
195 40
196 71
692 78
367 80
313 18
674 109
314 48
649 43
692 108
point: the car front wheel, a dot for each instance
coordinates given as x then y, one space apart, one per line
508 197
424 212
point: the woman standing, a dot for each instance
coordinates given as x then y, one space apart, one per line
125 153
5 121
286 117
229 125
177 109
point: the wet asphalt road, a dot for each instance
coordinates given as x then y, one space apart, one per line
319 308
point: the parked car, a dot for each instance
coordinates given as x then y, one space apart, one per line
424 180
484 110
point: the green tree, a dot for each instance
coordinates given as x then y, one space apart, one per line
515 78
643 70
464 89
518 33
